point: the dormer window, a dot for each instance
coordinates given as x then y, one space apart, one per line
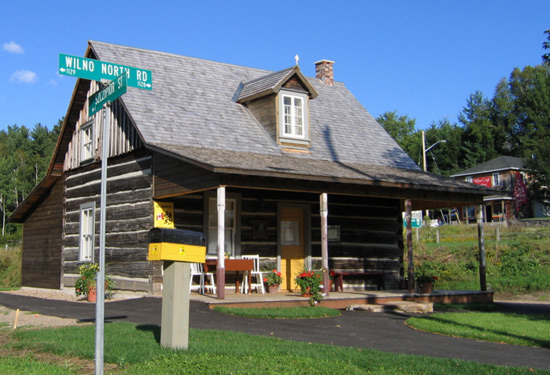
293 119
280 103
293 116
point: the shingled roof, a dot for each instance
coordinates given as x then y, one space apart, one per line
193 113
502 163
191 105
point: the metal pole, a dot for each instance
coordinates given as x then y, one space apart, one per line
100 276
324 240
424 150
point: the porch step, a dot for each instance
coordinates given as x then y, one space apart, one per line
408 307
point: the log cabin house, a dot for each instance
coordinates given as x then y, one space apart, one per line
271 144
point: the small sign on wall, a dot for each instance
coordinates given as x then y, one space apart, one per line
164 215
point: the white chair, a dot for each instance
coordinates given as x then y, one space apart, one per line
197 270
257 277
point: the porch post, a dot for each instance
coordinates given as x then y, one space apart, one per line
324 241
410 260
481 238
220 269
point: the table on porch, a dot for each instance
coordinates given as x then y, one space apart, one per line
233 265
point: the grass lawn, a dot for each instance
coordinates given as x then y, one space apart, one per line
517 329
135 349
281 313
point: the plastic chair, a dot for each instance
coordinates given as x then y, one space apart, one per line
201 287
256 276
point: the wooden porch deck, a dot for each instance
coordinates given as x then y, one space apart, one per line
340 300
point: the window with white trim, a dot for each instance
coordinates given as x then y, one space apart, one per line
496 179
87 142
87 230
293 119
469 179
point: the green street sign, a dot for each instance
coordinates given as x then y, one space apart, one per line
115 89
97 70
416 219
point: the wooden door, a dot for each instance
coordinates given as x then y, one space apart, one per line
292 239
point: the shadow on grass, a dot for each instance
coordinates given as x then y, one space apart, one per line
155 330
535 342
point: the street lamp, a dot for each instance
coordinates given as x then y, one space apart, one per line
425 150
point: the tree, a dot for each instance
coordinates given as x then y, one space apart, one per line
24 159
546 45
402 130
445 158
479 130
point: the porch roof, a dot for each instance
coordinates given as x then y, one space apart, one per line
427 190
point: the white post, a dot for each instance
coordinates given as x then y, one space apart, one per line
100 276
324 240
220 270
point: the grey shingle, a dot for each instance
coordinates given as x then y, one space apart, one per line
191 104
498 164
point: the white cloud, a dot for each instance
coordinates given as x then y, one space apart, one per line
12 47
52 82
24 76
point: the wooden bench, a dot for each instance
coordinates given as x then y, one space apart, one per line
375 276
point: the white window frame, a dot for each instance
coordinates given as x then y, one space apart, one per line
288 130
87 142
496 179
469 179
87 232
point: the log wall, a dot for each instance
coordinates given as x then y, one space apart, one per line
129 218
370 230
42 234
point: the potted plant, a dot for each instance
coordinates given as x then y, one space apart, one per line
425 282
273 279
310 286
86 284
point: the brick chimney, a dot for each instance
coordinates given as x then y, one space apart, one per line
324 71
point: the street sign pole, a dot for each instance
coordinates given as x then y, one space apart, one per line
100 302
120 76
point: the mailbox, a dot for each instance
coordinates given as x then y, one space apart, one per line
177 245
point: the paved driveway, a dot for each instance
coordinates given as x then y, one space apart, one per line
381 331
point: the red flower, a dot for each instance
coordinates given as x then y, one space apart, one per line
265 279
435 278
331 272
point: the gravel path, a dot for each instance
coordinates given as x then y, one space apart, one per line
10 318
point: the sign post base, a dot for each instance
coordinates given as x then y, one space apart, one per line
174 330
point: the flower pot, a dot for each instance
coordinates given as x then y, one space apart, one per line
306 293
426 287
273 288
92 295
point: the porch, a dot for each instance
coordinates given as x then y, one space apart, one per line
340 300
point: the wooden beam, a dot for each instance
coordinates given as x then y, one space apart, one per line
481 238
410 258
323 200
220 268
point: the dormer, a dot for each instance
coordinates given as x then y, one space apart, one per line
280 103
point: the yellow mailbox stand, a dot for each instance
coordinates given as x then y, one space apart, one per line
178 249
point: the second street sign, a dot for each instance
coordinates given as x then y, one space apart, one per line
96 70
114 90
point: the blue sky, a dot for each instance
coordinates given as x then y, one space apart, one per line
421 58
